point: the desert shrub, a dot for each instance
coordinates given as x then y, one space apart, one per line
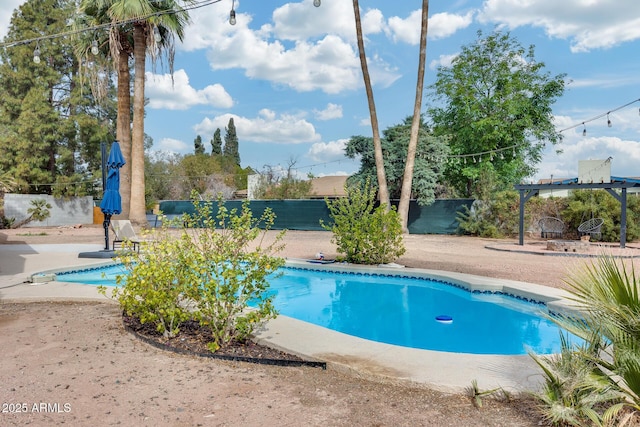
497 216
209 273
364 233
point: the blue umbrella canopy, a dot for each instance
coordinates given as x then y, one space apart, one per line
111 201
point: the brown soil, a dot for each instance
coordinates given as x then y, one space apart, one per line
75 363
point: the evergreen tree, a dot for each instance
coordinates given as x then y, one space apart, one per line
198 145
216 143
231 143
50 125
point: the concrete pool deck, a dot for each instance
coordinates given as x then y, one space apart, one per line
452 372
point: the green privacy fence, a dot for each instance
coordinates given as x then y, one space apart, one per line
438 218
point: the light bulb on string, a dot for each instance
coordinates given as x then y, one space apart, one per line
584 131
36 54
316 3
501 156
156 34
94 47
232 14
479 159
608 121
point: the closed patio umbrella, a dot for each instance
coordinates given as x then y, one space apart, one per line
111 201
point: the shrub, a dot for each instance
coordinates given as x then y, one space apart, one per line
609 294
206 274
364 233
158 279
497 216
230 274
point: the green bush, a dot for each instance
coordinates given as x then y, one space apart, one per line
209 273
364 233
607 378
158 280
231 274
495 217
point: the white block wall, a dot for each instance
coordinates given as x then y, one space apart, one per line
65 211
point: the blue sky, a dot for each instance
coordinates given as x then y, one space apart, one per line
289 75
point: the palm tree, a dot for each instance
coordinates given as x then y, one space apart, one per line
120 48
383 192
154 24
407 180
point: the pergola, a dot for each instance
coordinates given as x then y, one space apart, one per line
622 184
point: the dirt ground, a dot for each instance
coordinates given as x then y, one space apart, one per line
74 364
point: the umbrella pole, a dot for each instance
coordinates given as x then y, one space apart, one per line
105 225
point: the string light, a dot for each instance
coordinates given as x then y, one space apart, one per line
156 34
232 14
316 3
94 47
584 131
608 121
36 54
599 116
195 5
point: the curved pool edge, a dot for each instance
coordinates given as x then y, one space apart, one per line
445 371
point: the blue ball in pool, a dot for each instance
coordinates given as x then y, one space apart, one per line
443 318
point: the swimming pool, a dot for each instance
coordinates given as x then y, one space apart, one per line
396 310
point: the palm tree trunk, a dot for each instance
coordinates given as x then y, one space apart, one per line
123 130
137 213
383 192
407 180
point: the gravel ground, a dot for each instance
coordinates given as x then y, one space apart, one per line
74 364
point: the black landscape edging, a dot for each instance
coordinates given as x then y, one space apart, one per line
256 360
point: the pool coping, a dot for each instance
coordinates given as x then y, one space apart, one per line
445 371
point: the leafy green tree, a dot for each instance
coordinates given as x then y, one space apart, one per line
495 99
198 145
231 143
429 160
363 232
216 143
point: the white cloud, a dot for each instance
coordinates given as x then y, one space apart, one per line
322 57
180 95
333 111
588 24
172 145
365 122
268 127
442 61
328 151
441 25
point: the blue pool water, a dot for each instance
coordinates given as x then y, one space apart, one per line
399 310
